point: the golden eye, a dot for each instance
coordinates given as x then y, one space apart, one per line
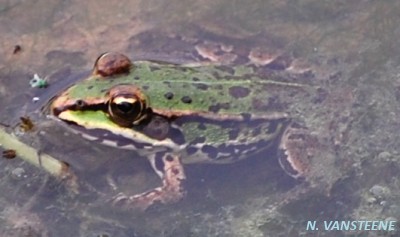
127 106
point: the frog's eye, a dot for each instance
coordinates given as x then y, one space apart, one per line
126 110
127 105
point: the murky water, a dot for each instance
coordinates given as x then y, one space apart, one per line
352 46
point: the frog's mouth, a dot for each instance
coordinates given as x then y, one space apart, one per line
113 139
97 125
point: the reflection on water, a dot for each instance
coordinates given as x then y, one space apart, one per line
353 51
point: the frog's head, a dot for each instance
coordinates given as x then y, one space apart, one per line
106 102
123 104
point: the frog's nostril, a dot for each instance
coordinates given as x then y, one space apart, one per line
80 104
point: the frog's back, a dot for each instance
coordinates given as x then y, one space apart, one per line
206 89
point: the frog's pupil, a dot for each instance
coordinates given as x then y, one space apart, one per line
128 110
125 107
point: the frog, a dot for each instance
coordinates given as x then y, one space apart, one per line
181 114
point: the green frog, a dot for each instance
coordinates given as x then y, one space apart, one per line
182 114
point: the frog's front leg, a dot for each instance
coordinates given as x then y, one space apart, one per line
168 166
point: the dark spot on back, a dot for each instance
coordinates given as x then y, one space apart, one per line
202 86
136 78
90 87
169 95
186 100
145 88
195 79
239 91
